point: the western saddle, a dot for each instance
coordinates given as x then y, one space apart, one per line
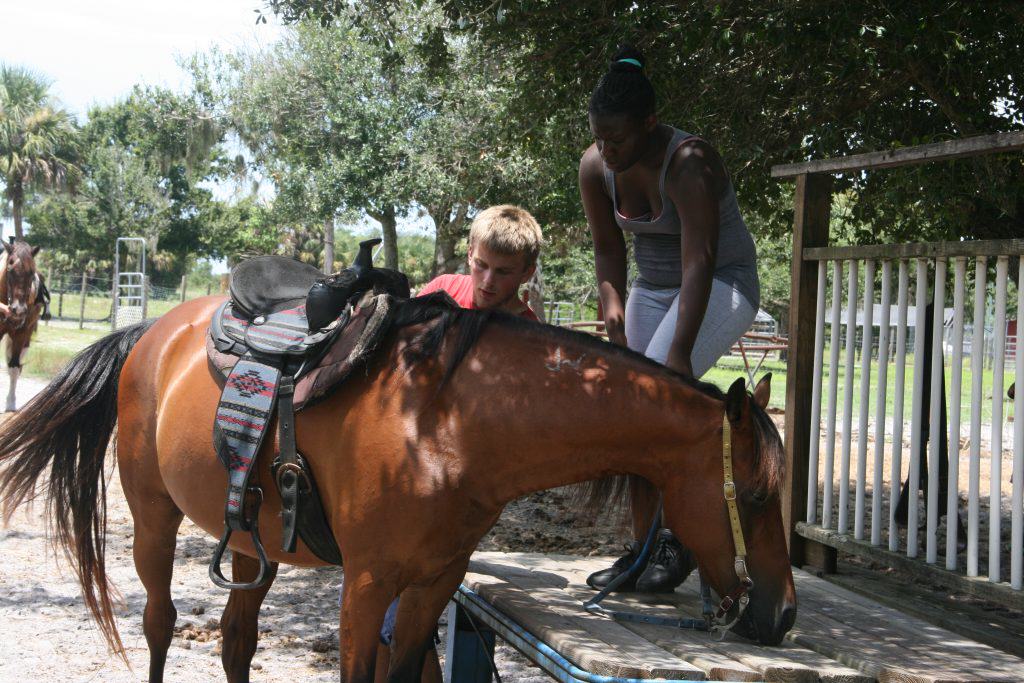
285 339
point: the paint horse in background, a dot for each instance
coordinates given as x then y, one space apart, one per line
457 413
21 304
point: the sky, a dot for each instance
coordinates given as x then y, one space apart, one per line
95 51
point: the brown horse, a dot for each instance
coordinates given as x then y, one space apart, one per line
20 307
458 413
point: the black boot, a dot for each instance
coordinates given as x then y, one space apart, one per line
668 567
599 579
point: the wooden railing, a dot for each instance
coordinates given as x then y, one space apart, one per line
817 498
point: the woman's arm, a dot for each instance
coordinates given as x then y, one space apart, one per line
696 177
609 245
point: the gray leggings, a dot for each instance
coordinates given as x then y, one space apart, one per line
651 323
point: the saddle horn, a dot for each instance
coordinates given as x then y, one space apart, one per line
363 262
328 296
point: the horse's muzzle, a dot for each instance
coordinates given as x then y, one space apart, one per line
766 631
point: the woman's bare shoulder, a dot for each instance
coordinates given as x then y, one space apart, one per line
694 158
591 165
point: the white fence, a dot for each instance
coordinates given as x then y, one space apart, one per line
882 448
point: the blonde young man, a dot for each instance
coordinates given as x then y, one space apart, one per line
504 242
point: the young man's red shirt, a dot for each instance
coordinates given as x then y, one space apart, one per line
460 288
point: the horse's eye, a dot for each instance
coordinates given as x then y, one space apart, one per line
759 498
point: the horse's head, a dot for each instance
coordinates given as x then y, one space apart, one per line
704 524
19 281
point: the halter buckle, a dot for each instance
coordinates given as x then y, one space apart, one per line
729 488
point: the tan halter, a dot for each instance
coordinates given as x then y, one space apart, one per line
738 594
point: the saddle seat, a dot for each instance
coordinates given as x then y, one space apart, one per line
268 284
318 361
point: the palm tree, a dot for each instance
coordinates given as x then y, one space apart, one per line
37 138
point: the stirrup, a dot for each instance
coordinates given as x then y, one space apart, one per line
262 576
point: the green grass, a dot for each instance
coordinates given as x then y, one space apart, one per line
97 307
55 344
730 367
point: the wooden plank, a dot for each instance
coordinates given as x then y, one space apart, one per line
986 623
916 645
697 651
813 204
929 250
1000 593
839 636
564 571
575 641
785 662
736 659
907 156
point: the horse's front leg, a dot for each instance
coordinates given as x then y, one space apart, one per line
363 604
238 624
14 354
413 655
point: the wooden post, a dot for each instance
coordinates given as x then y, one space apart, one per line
209 286
49 281
470 648
60 299
813 204
81 308
184 286
145 295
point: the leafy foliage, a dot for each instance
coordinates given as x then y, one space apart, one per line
775 82
381 113
145 163
36 139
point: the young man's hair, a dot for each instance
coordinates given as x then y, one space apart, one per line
624 88
508 229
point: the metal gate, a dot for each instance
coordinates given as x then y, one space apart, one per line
129 288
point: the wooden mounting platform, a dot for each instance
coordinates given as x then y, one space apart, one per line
838 636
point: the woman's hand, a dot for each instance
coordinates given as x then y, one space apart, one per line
615 326
680 364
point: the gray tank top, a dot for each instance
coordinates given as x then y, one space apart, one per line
657 240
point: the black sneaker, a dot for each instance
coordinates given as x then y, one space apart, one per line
599 579
668 567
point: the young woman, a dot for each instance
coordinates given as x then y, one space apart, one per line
697 290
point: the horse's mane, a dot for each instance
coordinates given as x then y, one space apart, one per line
467 324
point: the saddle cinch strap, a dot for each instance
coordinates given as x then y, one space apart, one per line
276 352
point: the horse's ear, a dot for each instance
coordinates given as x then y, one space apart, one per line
35 250
736 400
763 391
8 247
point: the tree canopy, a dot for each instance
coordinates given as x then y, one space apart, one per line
375 113
145 162
36 139
775 82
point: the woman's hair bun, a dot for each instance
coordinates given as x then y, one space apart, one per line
627 52
624 88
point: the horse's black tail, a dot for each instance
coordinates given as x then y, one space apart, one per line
66 429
